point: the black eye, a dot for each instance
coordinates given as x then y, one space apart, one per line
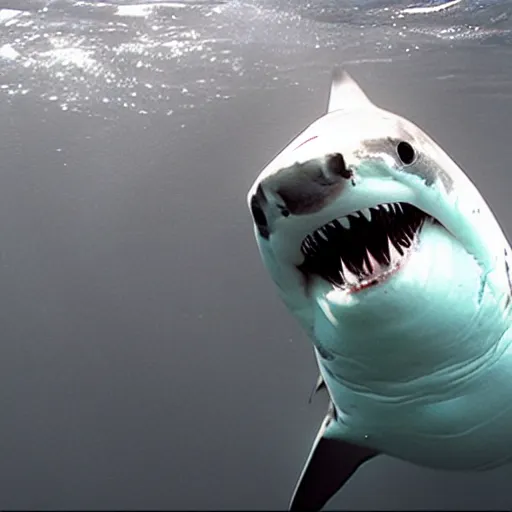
406 153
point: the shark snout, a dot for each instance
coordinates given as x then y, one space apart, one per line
299 189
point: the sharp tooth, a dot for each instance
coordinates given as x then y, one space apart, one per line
366 268
350 278
322 234
394 253
386 207
344 222
406 241
366 212
376 268
398 207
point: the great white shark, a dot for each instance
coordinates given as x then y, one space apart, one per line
395 266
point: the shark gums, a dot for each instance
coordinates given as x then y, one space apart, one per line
393 263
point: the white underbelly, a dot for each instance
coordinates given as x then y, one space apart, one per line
466 427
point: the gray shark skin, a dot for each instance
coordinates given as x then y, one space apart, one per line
395 266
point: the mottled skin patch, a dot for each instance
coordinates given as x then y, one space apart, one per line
423 166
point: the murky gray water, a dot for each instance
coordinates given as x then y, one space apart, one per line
146 361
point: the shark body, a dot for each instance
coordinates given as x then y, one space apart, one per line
397 269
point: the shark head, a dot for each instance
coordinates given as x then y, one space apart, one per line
364 206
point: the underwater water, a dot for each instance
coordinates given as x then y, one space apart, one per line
146 360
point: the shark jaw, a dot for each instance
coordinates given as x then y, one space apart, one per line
343 256
362 249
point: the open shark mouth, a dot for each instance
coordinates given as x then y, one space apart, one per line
364 248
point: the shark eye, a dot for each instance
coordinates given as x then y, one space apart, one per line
406 153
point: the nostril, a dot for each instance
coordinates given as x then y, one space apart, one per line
284 211
336 165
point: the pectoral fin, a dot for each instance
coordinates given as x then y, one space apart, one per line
320 384
330 464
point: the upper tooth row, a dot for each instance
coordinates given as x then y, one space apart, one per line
366 212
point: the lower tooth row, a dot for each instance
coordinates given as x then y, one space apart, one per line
376 268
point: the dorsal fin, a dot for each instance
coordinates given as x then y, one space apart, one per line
345 93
